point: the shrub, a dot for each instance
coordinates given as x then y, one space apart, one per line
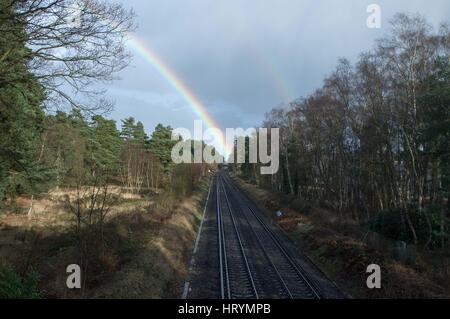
296 203
300 205
392 224
13 286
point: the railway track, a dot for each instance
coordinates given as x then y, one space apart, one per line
236 278
252 260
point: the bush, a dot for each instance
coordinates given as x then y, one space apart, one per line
392 225
13 286
296 203
300 205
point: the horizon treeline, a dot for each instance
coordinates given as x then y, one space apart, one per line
73 151
372 143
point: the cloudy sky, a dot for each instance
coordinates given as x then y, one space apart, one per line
241 58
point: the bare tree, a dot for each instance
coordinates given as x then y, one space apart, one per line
74 46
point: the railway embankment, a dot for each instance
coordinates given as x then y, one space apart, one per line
344 249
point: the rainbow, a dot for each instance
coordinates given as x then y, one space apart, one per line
152 58
285 91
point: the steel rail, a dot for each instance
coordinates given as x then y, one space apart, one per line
264 251
226 290
296 267
241 246
220 241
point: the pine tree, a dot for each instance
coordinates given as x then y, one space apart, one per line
66 147
128 129
105 144
21 113
139 135
161 145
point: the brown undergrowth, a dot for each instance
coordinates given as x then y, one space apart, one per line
339 249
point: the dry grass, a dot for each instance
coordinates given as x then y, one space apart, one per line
144 254
160 266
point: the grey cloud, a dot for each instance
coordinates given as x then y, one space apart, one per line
241 58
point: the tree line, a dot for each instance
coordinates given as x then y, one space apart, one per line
372 143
